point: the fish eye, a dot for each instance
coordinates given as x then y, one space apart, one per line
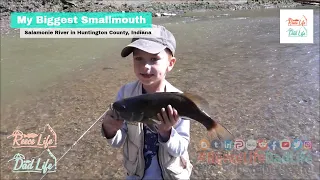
119 106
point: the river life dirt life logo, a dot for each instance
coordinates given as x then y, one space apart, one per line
296 26
44 163
45 139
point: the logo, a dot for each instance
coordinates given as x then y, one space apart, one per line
46 139
297 144
307 145
296 26
302 32
273 145
235 158
297 22
45 162
215 144
288 157
204 144
262 144
239 144
38 165
285 144
228 144
251 144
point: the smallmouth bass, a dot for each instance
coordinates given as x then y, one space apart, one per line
144 108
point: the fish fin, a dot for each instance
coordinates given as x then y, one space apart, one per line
198 100
220 132
155 121
152 123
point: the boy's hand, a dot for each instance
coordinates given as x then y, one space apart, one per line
111 125
168 120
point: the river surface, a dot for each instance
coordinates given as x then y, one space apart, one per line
256 87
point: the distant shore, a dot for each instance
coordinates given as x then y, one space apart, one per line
156 7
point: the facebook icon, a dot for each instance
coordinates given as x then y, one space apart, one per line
273 145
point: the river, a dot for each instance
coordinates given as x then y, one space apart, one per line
256 87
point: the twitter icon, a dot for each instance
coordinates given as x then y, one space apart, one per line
297 144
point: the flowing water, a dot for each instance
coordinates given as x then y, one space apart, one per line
256 86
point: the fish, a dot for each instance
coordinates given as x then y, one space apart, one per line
30 135
144 109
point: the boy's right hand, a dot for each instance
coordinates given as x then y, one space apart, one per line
111 125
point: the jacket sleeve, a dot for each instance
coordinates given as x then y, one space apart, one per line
179 138
121 134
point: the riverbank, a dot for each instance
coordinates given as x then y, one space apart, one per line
156 7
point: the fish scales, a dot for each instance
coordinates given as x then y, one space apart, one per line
144 109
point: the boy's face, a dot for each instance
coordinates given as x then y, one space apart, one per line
152 68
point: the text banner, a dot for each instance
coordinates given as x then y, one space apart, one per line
81 20
90 33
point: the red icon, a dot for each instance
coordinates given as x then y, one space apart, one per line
285 144
262 144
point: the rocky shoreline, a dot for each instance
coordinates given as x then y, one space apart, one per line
157 8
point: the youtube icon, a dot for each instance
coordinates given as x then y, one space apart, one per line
285 144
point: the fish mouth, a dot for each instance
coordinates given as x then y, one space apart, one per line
126 115
146 75
116 114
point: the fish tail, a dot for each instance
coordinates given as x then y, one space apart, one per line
220 132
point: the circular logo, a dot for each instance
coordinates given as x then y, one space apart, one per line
204 144
262 144
273 145
297 144
228 145
216 144
239 144
307 145
251 144
285 144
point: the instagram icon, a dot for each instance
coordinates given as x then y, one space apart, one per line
307 145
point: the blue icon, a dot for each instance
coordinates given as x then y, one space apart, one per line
297 144
273 145
228 145
215 144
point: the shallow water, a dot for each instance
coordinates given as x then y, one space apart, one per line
256 86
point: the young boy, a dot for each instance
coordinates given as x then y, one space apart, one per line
147 154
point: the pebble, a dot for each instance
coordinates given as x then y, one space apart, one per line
195 172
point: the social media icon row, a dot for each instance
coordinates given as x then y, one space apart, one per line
251 144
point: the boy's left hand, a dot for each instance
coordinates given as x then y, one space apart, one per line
168 120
